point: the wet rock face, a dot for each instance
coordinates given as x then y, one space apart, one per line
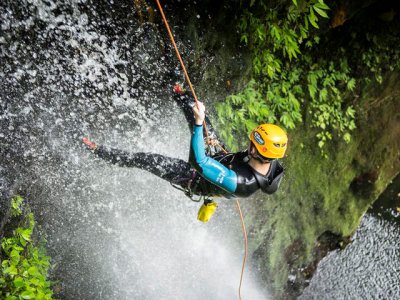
364 184
4 200
320 196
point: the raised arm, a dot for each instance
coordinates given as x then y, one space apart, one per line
211 169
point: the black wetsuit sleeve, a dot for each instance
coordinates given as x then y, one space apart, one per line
117 157
168 168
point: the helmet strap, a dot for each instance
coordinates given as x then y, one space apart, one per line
256 155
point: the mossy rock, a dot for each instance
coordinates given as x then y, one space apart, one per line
331 194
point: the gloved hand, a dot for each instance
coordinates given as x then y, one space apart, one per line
91 145
178 89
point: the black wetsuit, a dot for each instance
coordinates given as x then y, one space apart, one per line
188 175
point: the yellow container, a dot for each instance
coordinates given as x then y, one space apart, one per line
206 211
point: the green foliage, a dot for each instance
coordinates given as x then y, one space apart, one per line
244 119
24 265
287 85
16 203
294 80
327 111
380 56
277 32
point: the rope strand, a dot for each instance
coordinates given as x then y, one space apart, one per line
206 131
245 246
171 36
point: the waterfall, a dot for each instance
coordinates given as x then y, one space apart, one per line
79 68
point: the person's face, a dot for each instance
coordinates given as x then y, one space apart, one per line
252 150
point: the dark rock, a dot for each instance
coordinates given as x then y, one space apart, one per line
364 184
4 201
299 278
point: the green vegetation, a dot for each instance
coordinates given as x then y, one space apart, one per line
24 264
294 81
288 82
336 91
315 196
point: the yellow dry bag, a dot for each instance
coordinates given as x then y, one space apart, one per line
206 211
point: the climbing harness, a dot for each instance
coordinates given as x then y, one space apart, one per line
208 140
179 184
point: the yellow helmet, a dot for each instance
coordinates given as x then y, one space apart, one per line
270 140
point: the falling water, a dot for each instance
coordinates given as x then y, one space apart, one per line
369 267
86 68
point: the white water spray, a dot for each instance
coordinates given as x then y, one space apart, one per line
114 233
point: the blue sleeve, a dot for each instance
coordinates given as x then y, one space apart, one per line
213 170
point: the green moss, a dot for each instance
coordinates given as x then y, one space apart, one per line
316 194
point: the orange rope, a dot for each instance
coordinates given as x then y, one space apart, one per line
180 60
245 245
205 126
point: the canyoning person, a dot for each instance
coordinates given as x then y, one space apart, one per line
216 173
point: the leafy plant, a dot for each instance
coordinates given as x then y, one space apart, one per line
380 56
245 109
279 90
24 264
278 31
293 78
287 81
328 112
